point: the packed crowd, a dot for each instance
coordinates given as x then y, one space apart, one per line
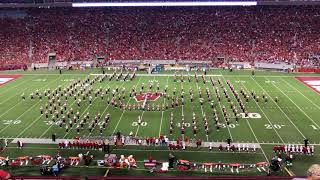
239 34
81 1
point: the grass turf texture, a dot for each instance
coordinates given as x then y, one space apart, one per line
293 118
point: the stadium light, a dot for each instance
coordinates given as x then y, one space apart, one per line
159 4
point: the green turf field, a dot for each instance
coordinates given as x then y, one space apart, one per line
295 117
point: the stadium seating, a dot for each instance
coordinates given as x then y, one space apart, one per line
50 1
266 34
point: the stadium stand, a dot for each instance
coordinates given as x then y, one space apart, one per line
50 1
264 34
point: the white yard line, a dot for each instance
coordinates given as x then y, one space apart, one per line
13 87
182 106
124 110
30 125
224 119
20 116
202 112
296 105
142 115
4 102
301 93
88 108
164 101
102 114
74 101
11 108
257 139
79 118
31 106
226 122
221 108
254 134
139 125
279 108
265 115
198 93
53 123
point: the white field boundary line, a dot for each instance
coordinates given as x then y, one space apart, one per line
301 93
264 115
31 106
102 114
30 126
143 113
124 110
45 140
279 108
295 105
164 102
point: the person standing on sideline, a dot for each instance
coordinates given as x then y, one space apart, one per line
5 143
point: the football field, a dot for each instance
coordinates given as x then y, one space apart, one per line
294 117
290 120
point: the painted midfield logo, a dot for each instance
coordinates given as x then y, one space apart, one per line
150 96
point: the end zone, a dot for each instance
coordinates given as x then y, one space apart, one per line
5 78
312 82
